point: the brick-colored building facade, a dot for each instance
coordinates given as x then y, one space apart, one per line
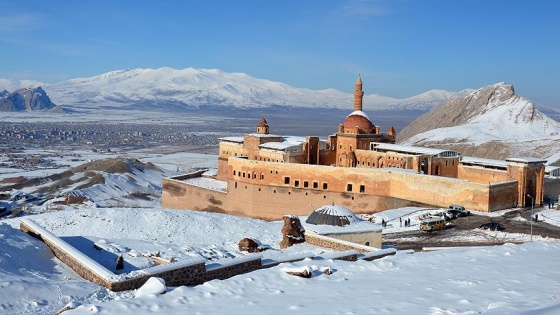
358 167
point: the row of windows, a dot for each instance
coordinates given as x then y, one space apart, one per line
297 183
289 193
249 175
349 187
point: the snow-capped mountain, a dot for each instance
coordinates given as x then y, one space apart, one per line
26 99
493 121
14 84
194 88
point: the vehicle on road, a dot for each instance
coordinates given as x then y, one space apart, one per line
492 226
432 224
459 209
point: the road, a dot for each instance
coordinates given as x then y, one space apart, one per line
465 231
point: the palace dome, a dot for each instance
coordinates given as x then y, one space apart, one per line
358 119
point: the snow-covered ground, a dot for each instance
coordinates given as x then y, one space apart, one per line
507 279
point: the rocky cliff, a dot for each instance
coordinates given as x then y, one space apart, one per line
27 99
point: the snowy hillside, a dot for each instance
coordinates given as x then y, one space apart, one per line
191 88
470 283
493 116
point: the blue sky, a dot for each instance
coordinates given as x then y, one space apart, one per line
400 47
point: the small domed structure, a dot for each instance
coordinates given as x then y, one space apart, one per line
341 223
333 215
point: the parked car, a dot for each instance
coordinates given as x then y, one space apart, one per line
460 209
492 226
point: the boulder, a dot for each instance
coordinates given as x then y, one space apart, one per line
249 245
292 232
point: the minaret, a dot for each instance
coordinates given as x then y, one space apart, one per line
262 127
358 95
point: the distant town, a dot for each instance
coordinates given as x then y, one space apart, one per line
99 136
95 137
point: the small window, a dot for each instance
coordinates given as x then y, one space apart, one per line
349 187
234 173
325 186
262 176
235 184
305 184
286 180
315 185
362 189
296 183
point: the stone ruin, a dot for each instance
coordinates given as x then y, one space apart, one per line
292 232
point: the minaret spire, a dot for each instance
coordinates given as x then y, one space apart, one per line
358 94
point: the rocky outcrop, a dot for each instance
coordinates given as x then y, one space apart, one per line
28 99
458 110
248 245
492 122
292 232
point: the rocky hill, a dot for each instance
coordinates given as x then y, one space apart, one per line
491 122
107 182
26 99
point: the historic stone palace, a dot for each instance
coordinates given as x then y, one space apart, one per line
262 175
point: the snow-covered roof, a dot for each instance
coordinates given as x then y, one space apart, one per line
484 162
330 219
412 149
526 160
208 183
232 139
289 143
358 113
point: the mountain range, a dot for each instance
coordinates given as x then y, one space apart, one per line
190 88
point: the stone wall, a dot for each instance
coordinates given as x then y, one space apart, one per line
188 273
269 190
333 243
382 192
182 274
228 271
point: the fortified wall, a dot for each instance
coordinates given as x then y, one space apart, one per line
268 190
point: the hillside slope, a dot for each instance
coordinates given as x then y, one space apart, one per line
491 122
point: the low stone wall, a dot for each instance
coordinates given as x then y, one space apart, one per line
188 273
241 266
176 274
340 245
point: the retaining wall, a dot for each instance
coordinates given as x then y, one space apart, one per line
191 272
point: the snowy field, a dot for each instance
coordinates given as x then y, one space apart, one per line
507 279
